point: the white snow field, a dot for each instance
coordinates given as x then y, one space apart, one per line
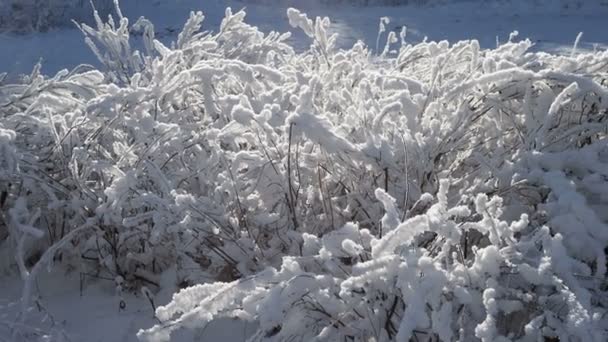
271 175
551 27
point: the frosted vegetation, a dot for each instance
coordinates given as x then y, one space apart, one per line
428 192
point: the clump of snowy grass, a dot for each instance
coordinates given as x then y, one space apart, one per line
434 191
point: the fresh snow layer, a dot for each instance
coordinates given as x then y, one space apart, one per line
93 313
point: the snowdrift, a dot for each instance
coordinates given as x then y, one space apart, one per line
433 191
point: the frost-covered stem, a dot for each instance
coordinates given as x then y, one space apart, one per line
292 203
381 29
323 50
220 252
388 324
576 42
30 277
326 198
321 191
386 179
406 194
117 8
241 215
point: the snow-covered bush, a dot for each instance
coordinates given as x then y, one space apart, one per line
431 191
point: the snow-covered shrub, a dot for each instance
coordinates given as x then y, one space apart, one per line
430 191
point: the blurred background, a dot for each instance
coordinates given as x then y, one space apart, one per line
43 30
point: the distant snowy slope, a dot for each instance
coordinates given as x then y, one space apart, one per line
550 24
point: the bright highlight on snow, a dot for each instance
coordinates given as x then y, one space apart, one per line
409 192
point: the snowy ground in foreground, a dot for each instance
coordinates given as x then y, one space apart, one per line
551 29
96 316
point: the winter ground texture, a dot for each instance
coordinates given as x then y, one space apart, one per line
223 179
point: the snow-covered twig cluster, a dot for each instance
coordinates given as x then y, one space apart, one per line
433 191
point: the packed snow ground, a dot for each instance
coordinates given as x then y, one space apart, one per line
550 27
92 312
